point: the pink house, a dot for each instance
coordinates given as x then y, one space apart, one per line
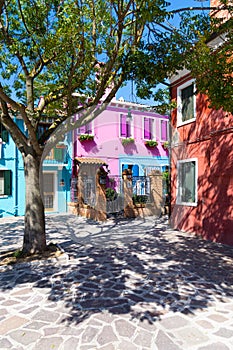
125 134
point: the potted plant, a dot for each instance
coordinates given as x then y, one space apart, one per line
127 141
139 200
110 194
86 137
151 143
165 145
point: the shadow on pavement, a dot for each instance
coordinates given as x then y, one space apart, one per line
159 272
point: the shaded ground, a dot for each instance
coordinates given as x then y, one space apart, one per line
137 271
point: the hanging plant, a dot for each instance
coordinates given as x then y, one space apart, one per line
151 143
165 145
86 137
127 140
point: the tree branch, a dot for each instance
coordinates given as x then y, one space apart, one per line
17 135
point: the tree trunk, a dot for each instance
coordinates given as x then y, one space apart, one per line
34 229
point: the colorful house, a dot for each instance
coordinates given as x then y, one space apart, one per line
56 175
201 163
125 134
12 201
201 159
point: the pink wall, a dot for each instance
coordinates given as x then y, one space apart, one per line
107 142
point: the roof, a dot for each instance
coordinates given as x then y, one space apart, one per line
96 161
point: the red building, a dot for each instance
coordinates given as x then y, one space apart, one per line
201 160
202 164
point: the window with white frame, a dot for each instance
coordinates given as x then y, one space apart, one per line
126 125
149 132
186 103
5 182
164 130
187 182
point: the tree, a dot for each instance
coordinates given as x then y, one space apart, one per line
190 45
61 49
53 49
212 65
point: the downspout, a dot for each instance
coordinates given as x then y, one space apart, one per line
16 209
170 159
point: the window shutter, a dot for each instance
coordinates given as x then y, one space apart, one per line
88 128
123 126
147 134
163 130
58 154
8 182
82 130
4 134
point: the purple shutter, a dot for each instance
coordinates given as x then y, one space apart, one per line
88 128
123 126
147 133
128 128
163 130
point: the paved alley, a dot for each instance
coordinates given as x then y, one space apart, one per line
120 285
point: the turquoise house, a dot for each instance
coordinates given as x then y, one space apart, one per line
56 176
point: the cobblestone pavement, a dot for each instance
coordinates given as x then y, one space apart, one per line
120 285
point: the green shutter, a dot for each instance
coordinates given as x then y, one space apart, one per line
4 133
58 154
8 182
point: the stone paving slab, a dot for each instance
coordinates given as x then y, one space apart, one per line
119 285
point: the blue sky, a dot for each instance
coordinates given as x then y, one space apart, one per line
127 92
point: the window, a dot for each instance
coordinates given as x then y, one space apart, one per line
163 130
149 128
41 129
86 129
187 182
186 103
4 135
5 182
126 129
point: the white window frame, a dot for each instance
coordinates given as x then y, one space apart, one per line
178 199
160 129
154 128
131 126
179 103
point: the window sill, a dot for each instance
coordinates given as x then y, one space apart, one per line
4 196
186 122
187 204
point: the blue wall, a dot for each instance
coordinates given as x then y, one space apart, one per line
11 159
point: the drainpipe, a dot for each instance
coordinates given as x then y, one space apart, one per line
170 158
16 209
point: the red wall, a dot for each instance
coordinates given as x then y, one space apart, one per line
210 140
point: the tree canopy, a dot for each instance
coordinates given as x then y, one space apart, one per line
200 43
59 58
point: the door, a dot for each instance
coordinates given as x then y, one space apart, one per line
49 192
